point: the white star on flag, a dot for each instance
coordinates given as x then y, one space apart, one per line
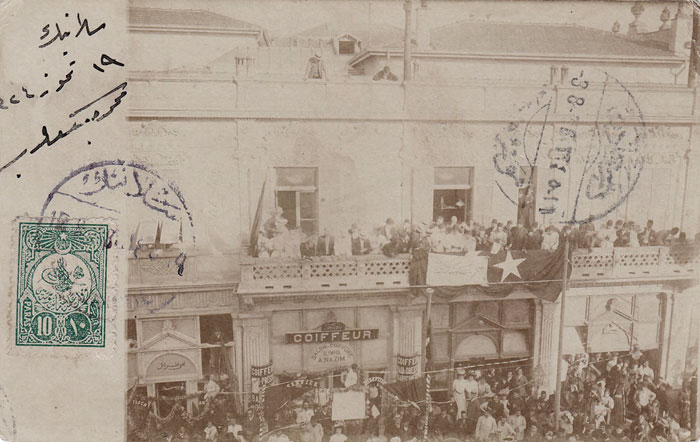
509 266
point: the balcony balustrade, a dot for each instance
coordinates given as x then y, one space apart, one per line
372 272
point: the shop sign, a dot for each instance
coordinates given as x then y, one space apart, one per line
260 377
407 367
170 364
317 337
331 355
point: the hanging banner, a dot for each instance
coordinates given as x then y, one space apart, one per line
348 405
260 377
407 367
457 270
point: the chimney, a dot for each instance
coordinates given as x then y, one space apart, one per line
422 27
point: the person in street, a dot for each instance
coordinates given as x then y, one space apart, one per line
210 431
486 425
350 376
212 389
459 391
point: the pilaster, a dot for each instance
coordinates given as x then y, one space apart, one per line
408 334
547 340
252 340
680 317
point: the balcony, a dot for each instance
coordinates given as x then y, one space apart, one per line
280 275
376 272
680 262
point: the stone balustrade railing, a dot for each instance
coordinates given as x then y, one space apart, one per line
636 262
275 275
280 275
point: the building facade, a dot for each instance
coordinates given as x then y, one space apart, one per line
241 131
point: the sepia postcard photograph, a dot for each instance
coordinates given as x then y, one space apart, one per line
349 221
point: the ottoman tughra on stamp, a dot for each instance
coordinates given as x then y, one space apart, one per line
61 285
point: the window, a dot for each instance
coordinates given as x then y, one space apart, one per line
296 192
452 193
346 47
216 331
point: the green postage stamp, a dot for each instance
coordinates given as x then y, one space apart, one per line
61 284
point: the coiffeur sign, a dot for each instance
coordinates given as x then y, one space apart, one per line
317 337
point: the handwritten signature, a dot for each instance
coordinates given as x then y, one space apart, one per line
96 116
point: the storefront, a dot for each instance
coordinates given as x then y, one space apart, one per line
616 323
482 332
328 341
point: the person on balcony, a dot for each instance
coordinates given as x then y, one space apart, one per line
308 247
360 244
665 237
550 240
635 230
534 238
469 241
648 236
325 246
517 237
454 242
391 244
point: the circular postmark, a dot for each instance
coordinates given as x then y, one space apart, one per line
577 153
105 188
8 425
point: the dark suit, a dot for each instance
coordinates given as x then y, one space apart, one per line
325 246
360 246
307 250
534 240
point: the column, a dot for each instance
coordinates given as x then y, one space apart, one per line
408 334
252 345
547 332
680 317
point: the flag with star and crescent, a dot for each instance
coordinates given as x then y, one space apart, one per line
538 271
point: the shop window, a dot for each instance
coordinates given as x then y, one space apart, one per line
452 193
215 329
131 337
296 193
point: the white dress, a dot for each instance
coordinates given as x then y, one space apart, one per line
459 389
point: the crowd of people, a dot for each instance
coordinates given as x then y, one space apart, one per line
274 239
605 397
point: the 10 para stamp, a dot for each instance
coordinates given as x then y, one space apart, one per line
61 284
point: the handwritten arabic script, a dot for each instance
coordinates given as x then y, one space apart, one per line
63 78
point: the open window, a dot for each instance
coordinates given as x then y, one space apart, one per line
452 193
296 192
